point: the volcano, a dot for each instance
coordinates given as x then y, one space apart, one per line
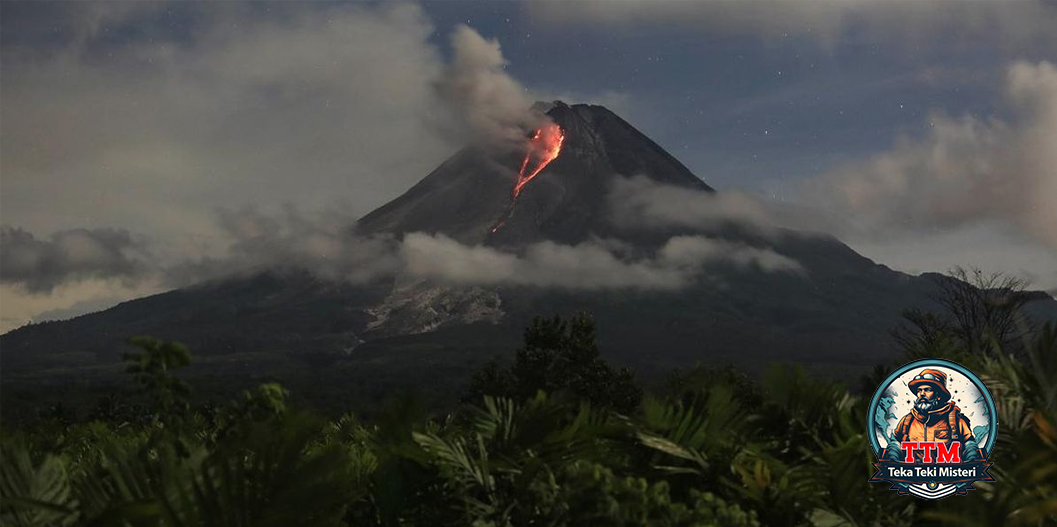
566 203
361 341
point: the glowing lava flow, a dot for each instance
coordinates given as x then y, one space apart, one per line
544 147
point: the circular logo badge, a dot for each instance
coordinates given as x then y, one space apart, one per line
932 427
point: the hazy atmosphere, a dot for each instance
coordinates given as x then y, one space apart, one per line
528 262
151 145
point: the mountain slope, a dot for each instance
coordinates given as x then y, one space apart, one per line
465 196
835 314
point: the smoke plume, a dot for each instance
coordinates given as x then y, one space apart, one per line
489 106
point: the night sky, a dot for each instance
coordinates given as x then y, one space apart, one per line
135 136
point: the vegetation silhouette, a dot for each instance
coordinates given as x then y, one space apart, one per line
558 438
561 358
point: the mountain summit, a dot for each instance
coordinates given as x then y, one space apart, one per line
468 194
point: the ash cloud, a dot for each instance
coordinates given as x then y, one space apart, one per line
487 104
248 106
40 265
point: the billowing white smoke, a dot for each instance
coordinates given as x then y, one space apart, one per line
324 246
587 266
489 106
639 202
321 244
967 170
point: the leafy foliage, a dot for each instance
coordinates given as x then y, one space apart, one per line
558 439
560 357
979 313
34 494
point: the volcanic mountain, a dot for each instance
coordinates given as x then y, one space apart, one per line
361 340
465 196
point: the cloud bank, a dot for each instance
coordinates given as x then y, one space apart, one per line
966 170
972 191
321 244
40 265
639 202
587 266
324 246
277 105
255 107
826 20
239 106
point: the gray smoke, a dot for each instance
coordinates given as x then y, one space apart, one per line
489 106
638 201
40 265
967 170
321 244
595 265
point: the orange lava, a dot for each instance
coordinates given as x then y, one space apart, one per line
543 147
